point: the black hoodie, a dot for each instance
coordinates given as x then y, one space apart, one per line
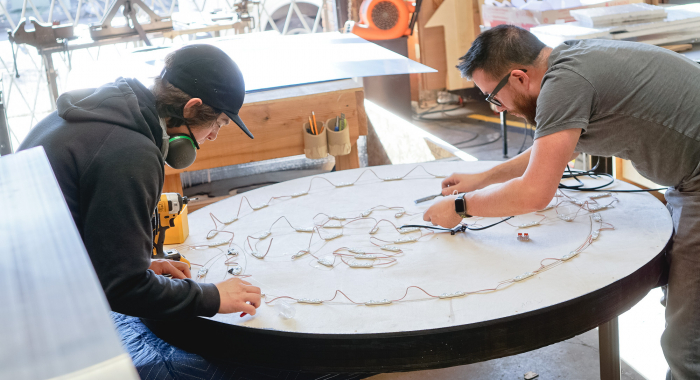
104 147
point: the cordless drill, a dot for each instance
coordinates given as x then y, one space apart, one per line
171 216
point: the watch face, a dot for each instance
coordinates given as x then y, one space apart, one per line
459 205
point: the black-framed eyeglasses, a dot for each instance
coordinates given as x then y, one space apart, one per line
491 98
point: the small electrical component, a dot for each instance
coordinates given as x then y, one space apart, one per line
566 218
258 255
358 264
356 250
523 276
391 179
202 272
212 233
366 213
569 256
595 234
263 235
297 195
367 256
440 175
380 302
336 218
344 184
600 195
309 300
405 240
374 230
451 295
399 214
217 243
332 236
285 310
405 230
258 207
597 217
229 221
333 225
390 248
598 207
232 252
304 229
523 237
299 254
327 261
527 225
236 270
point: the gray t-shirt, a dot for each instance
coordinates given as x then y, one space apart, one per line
633 101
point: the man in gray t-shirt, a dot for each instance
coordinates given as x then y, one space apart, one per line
607 98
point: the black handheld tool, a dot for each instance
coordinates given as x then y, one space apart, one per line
428 198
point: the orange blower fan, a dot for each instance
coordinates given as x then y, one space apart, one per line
385 19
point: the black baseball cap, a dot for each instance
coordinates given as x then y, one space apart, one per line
206 72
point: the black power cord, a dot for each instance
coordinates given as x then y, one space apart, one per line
592 174
459 228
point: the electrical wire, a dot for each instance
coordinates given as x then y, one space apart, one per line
465 226
592 174
480 144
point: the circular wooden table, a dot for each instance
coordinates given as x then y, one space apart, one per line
419 332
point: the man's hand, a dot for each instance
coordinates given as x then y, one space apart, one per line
462 183
238 295
443 213
176 269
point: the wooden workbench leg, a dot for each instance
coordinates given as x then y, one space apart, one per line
609 346
172 183
348 161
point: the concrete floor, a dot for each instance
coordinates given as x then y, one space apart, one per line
576 358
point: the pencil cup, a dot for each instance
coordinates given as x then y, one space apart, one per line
338 142
315 146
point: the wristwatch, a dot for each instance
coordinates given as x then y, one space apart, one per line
461 206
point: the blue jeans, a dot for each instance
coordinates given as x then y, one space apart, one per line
157 360
681 339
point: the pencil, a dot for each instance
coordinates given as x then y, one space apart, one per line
315 125
311 126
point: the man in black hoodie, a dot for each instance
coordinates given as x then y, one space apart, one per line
107 147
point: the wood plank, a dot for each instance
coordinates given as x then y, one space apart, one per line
678 48
361 114
431 43
277 126
457 17
172 184
348 161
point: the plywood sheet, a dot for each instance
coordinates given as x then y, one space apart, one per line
457 19
267 60
438 264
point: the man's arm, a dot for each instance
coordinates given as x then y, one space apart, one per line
513 168
531 191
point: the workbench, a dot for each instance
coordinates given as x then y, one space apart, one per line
347 333
275 117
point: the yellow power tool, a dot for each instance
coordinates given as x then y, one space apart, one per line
171 217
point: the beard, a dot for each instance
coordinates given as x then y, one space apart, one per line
525 107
